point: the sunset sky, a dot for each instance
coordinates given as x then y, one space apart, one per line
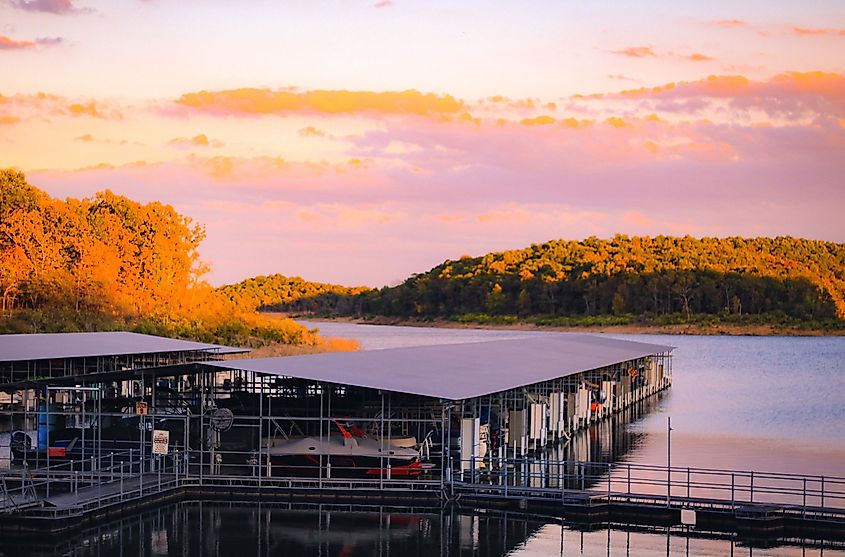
361 141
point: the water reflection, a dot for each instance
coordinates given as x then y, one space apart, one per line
241 529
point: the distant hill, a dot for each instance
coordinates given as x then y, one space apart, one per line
680 276
661 279
293 294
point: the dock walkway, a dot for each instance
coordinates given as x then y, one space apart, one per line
722 500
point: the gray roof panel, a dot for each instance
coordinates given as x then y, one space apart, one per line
456 371
51 346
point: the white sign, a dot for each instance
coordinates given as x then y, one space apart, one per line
688 517
161 439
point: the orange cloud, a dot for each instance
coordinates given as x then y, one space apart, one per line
90 108
538 121
311 131
636 52
698 57
575 123
791 95
825 83
6 120
617 122
817 31
200 140
7 43
266 101
714 85
728 22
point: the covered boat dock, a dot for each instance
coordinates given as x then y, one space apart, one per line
98 422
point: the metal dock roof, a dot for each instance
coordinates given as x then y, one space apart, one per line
52 346
456 371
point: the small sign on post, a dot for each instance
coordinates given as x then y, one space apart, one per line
161 440
141 409
688 517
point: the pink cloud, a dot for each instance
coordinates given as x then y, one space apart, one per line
621 77
728 23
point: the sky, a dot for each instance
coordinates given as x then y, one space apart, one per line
361 141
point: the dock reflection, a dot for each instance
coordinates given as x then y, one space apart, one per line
237 529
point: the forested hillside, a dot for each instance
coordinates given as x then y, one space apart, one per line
800 280
660 280
111 263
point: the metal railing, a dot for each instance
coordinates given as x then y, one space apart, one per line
76 487
89 483
675 486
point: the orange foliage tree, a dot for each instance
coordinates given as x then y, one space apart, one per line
110 262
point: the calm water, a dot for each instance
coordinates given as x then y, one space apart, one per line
774 404
253 529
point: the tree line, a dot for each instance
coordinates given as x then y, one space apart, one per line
293 294
662 278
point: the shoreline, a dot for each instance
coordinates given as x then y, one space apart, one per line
722 329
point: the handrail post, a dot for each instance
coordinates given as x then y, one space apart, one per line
752 487
822 505
583 474
688 481
733 477
804 503
629 478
